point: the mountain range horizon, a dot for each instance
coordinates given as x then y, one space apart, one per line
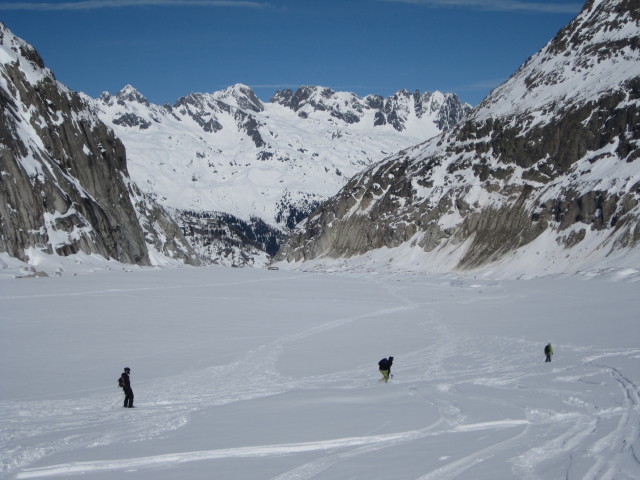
238 177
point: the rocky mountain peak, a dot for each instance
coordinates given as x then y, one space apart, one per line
396 110
576 66
600 23
315 98
15 50
129 94
242 97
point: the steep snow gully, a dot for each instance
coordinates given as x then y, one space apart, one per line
262 374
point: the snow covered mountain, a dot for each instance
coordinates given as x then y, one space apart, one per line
545 171
236 171
64 184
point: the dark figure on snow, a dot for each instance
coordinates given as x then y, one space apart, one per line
125 383
548 351
385 368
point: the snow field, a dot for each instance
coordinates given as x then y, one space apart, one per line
250 374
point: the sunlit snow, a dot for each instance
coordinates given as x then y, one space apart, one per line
259 374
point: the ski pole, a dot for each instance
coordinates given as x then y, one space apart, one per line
114 403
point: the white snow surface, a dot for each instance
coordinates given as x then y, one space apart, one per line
259 374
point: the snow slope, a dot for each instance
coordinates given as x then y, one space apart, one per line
251 374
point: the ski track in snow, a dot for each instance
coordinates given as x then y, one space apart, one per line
539 439
368 444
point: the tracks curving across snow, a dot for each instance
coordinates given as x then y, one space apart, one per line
294 395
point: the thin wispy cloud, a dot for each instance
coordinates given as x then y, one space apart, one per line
275 85
497 5
99 4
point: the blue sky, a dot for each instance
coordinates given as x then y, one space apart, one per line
170 48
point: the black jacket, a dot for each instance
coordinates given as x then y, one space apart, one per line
126 383
385 363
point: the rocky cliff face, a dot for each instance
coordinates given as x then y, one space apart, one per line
64 181
549 162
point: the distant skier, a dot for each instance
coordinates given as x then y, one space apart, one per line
125 383
548 351
385 368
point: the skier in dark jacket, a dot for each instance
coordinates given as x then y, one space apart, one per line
126 386
548 351
385 368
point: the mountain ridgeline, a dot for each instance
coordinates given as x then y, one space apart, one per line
545 171
239 174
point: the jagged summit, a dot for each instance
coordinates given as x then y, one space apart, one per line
15 50
237 96
593 54
127 95
240 96
130 94
345 106
400 109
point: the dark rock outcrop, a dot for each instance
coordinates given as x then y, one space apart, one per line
228 240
